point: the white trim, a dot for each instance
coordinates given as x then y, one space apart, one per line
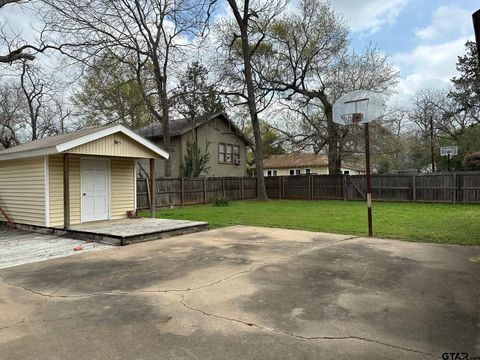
46 173
26 154
86 139
109 209
109 131
135 184
109 184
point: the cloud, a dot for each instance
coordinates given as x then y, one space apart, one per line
369 16
428 66
446 21
432 62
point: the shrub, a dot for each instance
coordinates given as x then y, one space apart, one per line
471 162
222 201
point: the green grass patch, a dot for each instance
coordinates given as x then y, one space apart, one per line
440 223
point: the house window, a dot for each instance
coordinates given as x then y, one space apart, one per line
297 172
236 154
307 171
293 172
269 172
221 152
346 172
229 154
274 172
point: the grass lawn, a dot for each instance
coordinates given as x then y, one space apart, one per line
442 223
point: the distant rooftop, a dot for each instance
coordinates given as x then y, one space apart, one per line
301 160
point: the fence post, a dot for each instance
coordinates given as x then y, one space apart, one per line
223 187
310 190
148 193
204 190
461 193
181 190
283 187
279 188
242 189
414 188
344 187
454 188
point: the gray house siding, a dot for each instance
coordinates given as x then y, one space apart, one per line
209 136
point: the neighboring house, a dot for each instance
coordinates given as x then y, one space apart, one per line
217 134
99 182
301 164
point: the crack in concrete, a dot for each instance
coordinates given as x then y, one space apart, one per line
14 325
205 313
253 267
297 336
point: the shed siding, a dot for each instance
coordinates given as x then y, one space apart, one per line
22 190
114 145
56 190
122 187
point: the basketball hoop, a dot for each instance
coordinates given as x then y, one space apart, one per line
352 118
354 108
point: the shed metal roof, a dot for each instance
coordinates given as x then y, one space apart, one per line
64 142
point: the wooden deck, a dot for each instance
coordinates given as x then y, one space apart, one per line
18 247
121 232
129 231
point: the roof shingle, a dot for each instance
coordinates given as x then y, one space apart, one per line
52 141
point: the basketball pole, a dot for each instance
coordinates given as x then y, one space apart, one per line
369 184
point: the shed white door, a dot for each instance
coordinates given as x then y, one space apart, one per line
95 189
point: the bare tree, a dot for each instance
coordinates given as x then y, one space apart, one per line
149 35
310 60
11 119
244 38
16 48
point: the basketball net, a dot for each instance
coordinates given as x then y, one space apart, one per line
353 118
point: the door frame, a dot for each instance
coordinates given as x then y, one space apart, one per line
109 195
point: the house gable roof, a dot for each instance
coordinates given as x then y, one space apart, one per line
64 142
301 160
182 126
295 160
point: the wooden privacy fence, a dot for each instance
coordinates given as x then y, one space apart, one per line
461 187
190 191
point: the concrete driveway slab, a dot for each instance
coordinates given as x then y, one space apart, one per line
18 247
246 293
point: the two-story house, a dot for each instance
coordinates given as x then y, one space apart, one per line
216 134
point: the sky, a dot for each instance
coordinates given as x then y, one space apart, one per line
422 37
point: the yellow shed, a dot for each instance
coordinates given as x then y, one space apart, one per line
63 180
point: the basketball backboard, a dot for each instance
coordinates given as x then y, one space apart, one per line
358 106
449 150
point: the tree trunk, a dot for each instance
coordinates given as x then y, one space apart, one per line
334 158
166 138
252 108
